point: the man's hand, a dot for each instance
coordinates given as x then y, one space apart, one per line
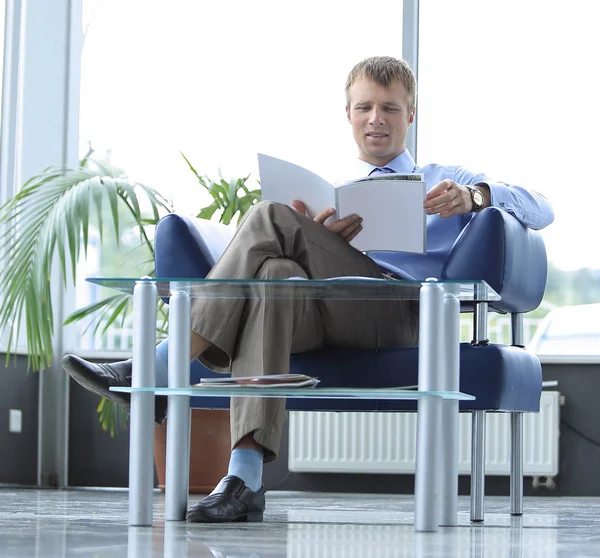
447 198
347 228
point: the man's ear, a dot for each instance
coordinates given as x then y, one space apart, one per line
348 113
411 117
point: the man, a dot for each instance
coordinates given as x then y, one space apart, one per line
256 337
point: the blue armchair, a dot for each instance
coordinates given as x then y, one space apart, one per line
493 247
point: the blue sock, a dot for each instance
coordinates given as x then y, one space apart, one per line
247 464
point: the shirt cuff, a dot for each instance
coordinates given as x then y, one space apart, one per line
499 195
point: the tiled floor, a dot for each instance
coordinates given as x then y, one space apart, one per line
44 523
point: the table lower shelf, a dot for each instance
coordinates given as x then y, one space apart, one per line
306 393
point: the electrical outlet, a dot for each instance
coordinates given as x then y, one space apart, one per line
15 421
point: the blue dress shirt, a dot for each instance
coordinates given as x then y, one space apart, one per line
530 208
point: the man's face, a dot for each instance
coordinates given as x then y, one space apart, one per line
380 118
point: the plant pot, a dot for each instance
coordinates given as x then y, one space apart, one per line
210 447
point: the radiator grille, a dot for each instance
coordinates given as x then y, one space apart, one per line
386 442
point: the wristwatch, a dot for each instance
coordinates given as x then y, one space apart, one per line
476 198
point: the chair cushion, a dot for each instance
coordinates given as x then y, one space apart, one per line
502 378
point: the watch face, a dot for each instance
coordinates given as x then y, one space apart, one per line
478 199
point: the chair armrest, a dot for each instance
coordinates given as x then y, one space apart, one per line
497 248
185 247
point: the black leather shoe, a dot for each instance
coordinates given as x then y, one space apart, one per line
98 378
231 500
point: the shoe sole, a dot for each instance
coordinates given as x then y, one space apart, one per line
256 517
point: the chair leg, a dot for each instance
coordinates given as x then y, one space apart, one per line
477 465
516 464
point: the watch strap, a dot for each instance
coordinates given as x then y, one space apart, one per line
475 206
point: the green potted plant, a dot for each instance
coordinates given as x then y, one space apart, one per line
51 216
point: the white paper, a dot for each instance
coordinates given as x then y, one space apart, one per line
392 212
391 209
283 182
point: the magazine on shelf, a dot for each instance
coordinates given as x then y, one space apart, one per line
391 205
270 381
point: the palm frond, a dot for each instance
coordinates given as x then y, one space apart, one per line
49 216
112 416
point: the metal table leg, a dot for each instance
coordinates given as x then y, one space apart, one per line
178 410
429 416
141 432
451 382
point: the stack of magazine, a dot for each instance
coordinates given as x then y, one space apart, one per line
272 381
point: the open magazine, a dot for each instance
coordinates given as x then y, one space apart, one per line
391 205
271 381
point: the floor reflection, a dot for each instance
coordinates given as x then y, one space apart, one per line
44 524
349 541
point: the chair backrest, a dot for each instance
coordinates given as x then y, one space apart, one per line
493 247
185 247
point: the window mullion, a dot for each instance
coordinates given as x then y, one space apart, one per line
410 53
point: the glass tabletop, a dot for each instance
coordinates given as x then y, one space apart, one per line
308 393
335 288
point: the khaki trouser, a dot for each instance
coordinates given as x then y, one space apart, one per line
256 336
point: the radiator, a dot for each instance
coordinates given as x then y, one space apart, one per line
386 442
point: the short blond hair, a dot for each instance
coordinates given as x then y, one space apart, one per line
386 71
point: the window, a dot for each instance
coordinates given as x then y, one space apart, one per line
221 82
2 29
569 330
509 89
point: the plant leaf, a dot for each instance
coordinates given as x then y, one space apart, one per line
207 212
89 310
50 216
112 416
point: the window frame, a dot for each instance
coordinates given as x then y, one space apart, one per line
40 114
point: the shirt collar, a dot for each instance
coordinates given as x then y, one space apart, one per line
401 164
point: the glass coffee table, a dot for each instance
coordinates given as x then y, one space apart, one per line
436 477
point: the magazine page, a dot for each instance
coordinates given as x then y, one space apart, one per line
283 182
392 212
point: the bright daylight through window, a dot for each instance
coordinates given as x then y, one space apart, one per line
522 107
192 79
